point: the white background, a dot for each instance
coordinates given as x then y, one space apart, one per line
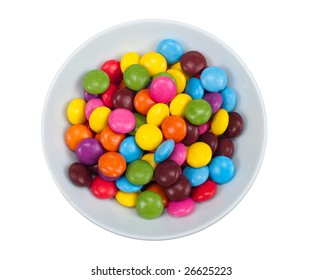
274 233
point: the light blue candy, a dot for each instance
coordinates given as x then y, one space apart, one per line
164 150
170 49
214 79
222 169
130 150
124 185
229 99
196 176
194 88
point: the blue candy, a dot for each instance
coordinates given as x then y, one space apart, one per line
130 150
229 99
222 169
196 176
171 50
214 79
124 185
194 88
164 150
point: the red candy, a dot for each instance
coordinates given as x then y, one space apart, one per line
112 68
204 192
103 189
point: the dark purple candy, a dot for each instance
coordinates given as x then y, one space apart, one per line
193 62
215 100
180 190
235 125
123 98
167 172
89 150
80 174
192 134
225 147
210 139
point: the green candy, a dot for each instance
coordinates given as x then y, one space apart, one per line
96 82
149 205
136 77
198 111
139 172
140 120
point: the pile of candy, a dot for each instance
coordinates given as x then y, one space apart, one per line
154 131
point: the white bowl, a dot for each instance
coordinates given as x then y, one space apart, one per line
142 36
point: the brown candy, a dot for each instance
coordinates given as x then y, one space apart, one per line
225 147
123 98
235 125
80 174
167 173
193 62
180 190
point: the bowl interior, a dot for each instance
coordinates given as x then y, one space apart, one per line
143 36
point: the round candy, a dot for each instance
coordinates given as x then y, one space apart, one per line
210 139
127 199
75 111
75 134
215 100
91 105
219 122
98 119
136 77
122 120
170 49
124 185
178 104
167 173
174 127
148 137
159 190
198 154
130 150
194 88
198 111
123 98
89 151
193 62
112 68
225 147
235 125
143 101
177 66
150 158
204 192
96 82
180 190
128 59
181 208
164 150
154 62
103 189
140 120
157 113
213 79
179 78
192 134
149 205
222 169
107 96
229 99
80 174
139 172
162 89
196 176
179 153
111 140
112 164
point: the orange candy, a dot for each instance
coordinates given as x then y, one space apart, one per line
160 190
111 140
75 134
143 102
112 164
174 127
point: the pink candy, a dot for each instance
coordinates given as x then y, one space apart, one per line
181 208
162 89
122 120
91 105
179 154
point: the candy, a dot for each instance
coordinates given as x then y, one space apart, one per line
157 113
215 100
154 62
123 98
222 169
121 120
180 190
90 106
204 191
128 59
167 173
159 190
112 164
198 111
181 208
164 150
130 150
225 147
194 88
111 140
140 120
139 172
149 205
178 104
124 185
219 122
179 78
235 125
210 139
174 127
196 176
193 62
179 153
89 150
198 154
213 79
136 77
75 111
127 199
75 134
170 49
80 174
96 81
143 101
98 119
229 99
103 189
192 134
162 89
112 68
148 137
107 96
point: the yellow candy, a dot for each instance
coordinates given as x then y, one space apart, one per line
76 111
148 137
177 66
128 59
127 199
150 159
180 79
220 122
99 118
157 113
178 104
198 154
154 62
